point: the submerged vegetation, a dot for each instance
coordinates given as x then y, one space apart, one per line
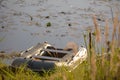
103 62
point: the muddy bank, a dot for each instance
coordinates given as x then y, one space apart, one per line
11 55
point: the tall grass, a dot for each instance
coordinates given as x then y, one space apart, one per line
102 66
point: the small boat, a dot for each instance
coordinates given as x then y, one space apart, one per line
47 57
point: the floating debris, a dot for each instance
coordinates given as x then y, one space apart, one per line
69 24
63 13
2 27
62 35
47 17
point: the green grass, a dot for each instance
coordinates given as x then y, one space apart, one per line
102 66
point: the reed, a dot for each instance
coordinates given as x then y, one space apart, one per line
106 31
97 29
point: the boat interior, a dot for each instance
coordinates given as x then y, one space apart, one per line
55 52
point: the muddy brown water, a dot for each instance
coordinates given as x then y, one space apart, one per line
23 23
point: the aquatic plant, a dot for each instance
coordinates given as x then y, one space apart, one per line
48 24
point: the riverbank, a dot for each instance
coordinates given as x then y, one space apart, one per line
9 55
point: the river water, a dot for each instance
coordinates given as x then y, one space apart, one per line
23 23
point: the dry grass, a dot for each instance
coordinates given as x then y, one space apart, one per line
97 29
73 46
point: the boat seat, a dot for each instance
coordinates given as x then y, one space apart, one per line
47 58
58 51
